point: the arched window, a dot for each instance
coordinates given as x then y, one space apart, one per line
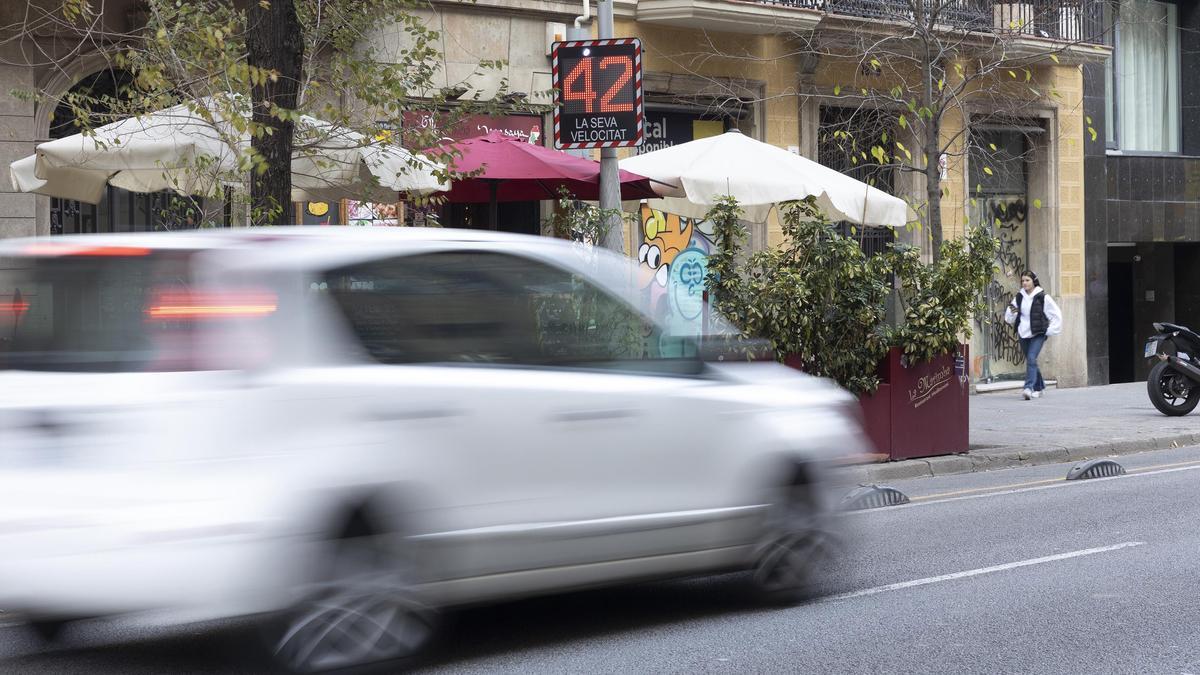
119 210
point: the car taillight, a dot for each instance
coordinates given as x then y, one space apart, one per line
193 305
55 249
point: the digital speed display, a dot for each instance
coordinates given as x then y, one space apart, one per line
598 93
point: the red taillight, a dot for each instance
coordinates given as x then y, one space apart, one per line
16 307
114 251
55 249
190 305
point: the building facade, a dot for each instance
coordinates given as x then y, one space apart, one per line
714 65
1143 185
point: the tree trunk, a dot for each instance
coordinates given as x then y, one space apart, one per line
933 133
933 185
274 42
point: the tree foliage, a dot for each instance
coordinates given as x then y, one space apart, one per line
363 66
822 302
580 221
943 68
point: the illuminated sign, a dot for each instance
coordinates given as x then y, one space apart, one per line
598 93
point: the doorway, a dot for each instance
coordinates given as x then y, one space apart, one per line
1121 348
999 175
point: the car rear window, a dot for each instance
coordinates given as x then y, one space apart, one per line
99 311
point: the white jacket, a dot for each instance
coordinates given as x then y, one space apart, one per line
1053 313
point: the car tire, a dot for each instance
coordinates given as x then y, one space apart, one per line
794 551
361 611
48 631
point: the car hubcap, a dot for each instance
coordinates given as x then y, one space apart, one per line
788 562
365 614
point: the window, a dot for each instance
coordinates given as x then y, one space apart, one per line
491 308
1004 154
846 138
108 312
844 142
1144 92
119 210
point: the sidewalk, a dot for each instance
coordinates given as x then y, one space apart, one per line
1062 426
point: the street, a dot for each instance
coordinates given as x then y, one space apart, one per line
1010 570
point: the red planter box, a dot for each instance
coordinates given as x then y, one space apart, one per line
921 409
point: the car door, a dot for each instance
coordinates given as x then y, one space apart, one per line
563 449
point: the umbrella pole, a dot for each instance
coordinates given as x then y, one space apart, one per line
493 206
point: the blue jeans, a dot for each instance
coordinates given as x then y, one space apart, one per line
1032 347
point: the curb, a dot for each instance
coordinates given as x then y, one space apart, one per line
1008 458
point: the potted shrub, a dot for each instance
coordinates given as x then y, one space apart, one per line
822 303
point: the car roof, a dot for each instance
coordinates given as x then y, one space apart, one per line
254 236
283 246
311 247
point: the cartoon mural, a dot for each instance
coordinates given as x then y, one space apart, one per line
675 251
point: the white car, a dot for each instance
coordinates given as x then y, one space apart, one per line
345 430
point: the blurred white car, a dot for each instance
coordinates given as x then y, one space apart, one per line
346 429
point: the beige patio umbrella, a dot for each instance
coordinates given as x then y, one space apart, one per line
178 149
695 174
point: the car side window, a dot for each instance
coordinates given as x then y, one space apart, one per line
486 307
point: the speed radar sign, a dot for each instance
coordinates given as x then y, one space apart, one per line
598 93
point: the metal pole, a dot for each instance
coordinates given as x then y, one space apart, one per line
610 186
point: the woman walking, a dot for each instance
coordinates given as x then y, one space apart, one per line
1035 316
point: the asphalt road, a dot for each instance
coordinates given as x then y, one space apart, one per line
1008 571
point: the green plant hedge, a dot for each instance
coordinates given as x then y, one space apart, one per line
821 301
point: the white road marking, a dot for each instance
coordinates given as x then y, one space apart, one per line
976 572
1053 486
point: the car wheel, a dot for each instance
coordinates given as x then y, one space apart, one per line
47 631
795 549
362 611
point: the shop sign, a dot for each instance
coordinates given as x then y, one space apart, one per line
666 129
524 127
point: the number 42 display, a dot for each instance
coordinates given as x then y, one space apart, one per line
598 93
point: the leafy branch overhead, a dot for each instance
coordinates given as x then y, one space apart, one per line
367 67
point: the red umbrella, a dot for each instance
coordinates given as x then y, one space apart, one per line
516 171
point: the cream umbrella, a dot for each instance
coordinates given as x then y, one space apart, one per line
694 175
178 149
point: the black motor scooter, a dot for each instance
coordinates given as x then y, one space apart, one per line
1174 381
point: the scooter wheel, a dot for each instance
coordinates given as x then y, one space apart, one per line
1172 392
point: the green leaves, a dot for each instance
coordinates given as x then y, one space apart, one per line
821 301
197 50
818 298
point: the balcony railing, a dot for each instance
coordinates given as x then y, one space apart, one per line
1063 20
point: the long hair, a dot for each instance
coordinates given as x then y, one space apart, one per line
1031 275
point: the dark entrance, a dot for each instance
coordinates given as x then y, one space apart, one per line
1121 348
515 217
